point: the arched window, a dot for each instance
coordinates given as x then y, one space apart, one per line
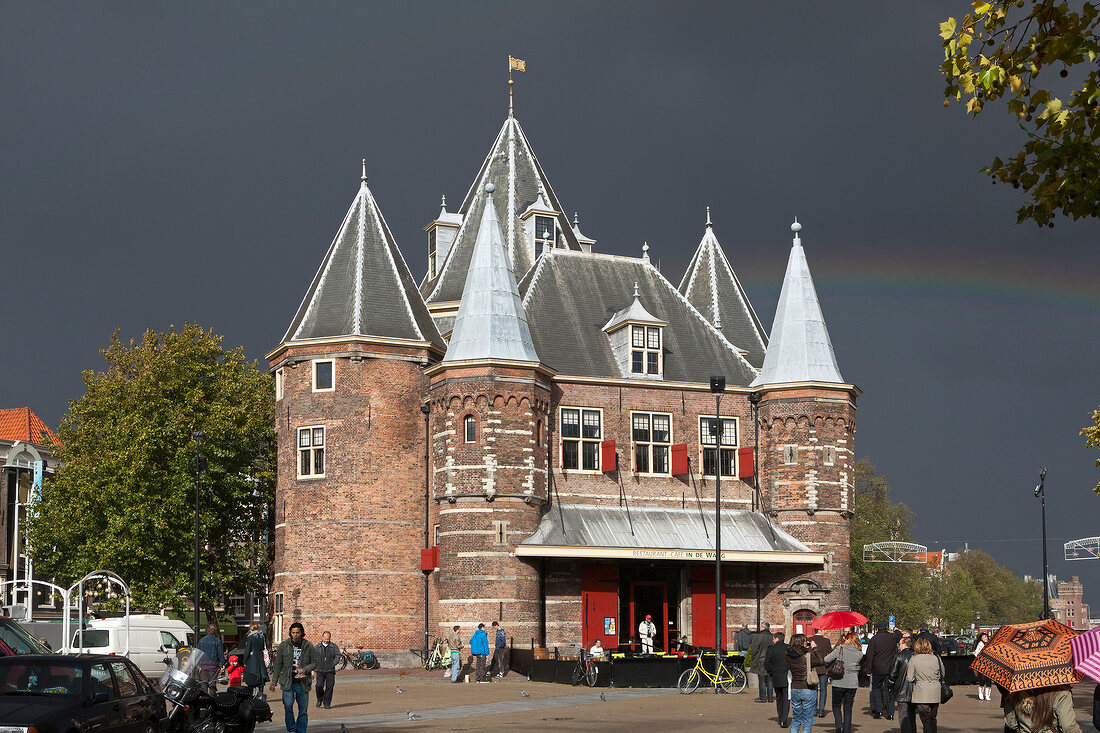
469 429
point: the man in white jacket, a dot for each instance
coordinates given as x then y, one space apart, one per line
646 632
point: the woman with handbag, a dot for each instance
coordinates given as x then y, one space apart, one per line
850 653
1045 710
926 672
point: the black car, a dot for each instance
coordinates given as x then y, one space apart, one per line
67 694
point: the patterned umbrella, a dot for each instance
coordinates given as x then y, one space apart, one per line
1086 652
1029 656
839 620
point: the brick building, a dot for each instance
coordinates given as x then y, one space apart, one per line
530 434
1067 603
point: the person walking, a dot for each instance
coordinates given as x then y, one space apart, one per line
933 640
761 640
479 649
743 640
454 643
824 648
985 685
646 631
500 648
881 651
844 690
327 656
1044 710
926 672
254 661
775 664
214 652
294 663
802 657
901 689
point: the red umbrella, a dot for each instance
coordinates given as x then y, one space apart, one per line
839 620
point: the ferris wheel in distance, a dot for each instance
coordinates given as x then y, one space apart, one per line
1086 548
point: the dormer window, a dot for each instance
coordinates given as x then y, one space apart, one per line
545 232
645 352
431 252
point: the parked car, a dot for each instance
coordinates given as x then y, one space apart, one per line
58 694
14 639
150 635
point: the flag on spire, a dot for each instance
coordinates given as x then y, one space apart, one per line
516 64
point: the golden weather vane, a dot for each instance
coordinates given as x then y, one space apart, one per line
514 64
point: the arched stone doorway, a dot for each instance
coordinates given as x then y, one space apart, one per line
804 597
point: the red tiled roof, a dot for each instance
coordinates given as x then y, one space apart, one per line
20 423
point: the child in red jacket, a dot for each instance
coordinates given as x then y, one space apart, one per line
235 671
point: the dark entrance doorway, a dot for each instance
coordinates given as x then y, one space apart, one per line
650 597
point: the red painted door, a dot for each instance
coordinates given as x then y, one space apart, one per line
702 607
803 622
600 605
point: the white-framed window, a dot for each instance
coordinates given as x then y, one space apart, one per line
279 602
324 377
431 252
581 433
719 450
828 455
469 429
279 383
311 451
237 605
652 436
645 350
545 232
257 606
790 454
435 534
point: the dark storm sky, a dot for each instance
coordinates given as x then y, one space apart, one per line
164 163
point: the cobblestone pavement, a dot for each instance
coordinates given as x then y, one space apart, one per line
371 702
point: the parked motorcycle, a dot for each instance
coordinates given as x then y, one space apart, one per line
194 709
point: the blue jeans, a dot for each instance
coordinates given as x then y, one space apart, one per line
298 694
764 684
802 710
822 693
456 663
880 695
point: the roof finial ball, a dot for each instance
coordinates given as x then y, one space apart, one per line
796 227
489 188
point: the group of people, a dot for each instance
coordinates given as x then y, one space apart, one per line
479 652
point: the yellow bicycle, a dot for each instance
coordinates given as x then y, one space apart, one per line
729 679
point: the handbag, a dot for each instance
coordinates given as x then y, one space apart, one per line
835 670
945 689
811 678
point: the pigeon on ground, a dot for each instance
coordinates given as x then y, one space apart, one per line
525 693
412 715
400 689
343 728
603 697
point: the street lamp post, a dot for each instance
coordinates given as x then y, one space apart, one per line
757 502
717 386
1041 492
200 465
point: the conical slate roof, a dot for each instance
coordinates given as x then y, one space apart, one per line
363 287
711 285
491 323
800 349
511 166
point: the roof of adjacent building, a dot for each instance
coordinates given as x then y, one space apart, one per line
20 423
588 525
491 323
570 296
713 288
511 166
363 287
800 349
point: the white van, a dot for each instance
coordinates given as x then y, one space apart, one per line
150 634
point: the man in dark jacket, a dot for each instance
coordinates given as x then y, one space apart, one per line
743 640
824 646
214 651
900 688
761 640
932 638
775 662
292 671
881 651
500 644
327 655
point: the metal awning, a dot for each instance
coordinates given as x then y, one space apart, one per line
655 533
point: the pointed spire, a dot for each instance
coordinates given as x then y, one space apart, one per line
709 225
364 178
491 322
800 349
636 295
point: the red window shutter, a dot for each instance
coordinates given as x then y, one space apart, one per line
609 459
745 467
679 459
426 560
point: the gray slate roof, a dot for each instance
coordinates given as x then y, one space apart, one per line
491 323
713 288
586 525
363 287
800 348
570 296
511 166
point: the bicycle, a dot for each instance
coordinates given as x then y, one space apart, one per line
730 679
439 658
358 659
585 669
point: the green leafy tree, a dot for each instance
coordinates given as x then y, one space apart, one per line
1007 597
125 497
1020 55
955 599
1092 438
880 590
